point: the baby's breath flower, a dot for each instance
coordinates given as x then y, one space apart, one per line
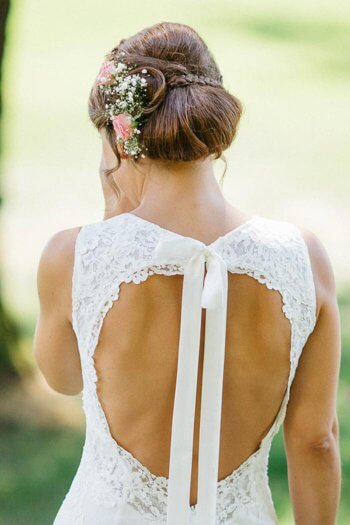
126 95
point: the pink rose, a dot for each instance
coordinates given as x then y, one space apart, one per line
122 126
107 69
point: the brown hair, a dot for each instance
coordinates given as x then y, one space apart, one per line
190 115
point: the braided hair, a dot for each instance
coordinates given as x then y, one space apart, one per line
191 78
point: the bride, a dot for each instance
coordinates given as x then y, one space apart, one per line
194 330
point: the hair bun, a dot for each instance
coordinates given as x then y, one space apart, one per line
178 124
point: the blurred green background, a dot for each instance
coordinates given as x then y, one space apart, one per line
289 63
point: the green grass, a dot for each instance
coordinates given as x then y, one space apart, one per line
37 466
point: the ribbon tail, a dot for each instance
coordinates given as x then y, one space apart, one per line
185 395
211 405
213 292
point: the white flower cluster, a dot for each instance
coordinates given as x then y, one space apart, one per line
126 95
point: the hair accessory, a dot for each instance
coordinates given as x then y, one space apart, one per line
126 95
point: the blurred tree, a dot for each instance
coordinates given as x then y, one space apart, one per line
8 329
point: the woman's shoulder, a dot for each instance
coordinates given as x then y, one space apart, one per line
320 264
60 247
57 257
309 246
316 249
322 267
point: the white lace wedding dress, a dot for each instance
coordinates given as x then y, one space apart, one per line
111 487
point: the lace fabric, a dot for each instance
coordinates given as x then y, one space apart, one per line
121 250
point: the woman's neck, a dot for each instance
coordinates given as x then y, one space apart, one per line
169 188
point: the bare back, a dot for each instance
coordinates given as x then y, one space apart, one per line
136 362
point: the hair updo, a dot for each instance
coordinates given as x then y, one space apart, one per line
189 114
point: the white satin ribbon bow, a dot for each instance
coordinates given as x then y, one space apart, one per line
212 295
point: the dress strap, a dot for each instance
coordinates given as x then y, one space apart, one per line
198 292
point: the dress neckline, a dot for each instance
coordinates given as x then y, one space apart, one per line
226 235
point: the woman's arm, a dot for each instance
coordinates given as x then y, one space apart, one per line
55 344
311 427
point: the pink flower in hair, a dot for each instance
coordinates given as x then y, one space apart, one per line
107 69
122 125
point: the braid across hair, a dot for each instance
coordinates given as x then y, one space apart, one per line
189 115
191 78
